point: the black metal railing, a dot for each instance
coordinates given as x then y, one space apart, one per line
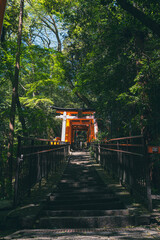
126 160
36 159
3 169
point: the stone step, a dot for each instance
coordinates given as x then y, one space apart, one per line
71 197
63 201
81 179
85 213
86 206
81 190
80 185
82 200
85 222
75 176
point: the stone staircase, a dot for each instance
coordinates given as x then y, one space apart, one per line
82 201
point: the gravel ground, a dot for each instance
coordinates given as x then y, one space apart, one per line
82 234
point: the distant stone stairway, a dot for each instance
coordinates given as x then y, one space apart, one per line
82 201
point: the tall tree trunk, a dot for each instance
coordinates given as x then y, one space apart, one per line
21 117
2 10
14 101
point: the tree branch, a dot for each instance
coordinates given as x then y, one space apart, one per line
57 34
143 18
79 95
54 30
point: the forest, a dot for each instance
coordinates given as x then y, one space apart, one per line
99 54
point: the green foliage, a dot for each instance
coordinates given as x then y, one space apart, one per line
108 57
110 60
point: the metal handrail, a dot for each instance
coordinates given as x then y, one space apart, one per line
45 151
121 151
34 164
125 138
127 145
129 163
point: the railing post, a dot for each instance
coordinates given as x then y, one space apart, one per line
39 170
55 161
148 185
99 152
118 164
16 185
148 176
2 172
48 159
64 153
52 161
30 169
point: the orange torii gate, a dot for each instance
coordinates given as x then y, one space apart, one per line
2 11
77 120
